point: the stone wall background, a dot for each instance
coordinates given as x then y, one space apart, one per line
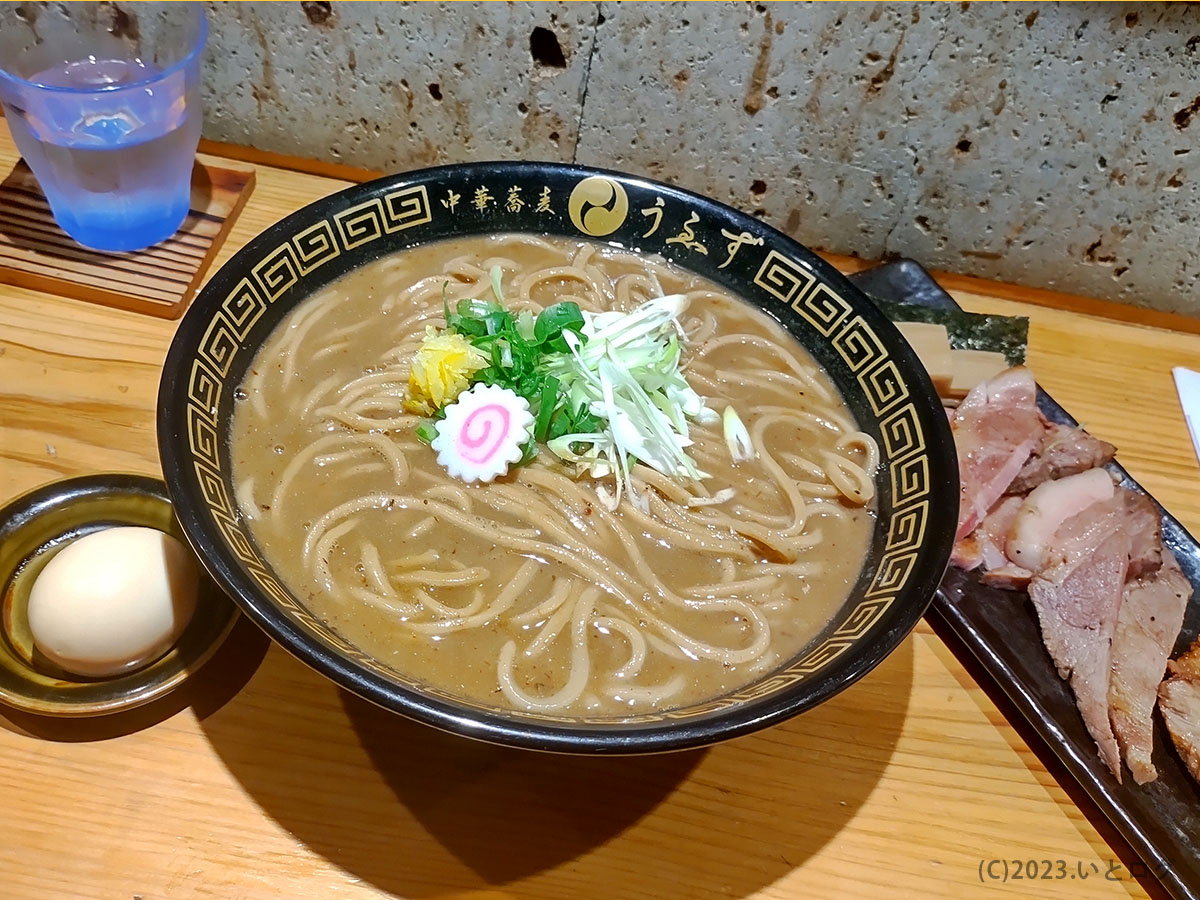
1045 144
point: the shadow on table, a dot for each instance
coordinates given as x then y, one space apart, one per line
417 812
1022 736
205 691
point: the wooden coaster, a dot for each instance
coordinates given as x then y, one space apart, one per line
160 281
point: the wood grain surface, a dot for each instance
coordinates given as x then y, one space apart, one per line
260 779
159 281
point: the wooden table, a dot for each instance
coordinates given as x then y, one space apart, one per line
262 780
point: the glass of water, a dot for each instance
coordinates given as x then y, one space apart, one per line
103 101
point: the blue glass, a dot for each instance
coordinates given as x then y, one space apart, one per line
108 117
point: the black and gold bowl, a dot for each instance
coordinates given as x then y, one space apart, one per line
881 380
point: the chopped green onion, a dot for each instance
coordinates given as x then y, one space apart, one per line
427 431
506 357
546 403
553 321
606 390
525 325
529 450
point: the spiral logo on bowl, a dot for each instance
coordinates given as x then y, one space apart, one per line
598 206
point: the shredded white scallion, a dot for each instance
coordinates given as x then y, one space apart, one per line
627 374
722 496
737 438
496 273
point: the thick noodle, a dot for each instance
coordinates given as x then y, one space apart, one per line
528 592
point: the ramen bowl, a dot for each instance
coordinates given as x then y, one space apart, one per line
880 379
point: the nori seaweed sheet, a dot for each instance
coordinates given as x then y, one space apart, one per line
968 331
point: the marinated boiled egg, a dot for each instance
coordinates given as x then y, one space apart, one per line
113 601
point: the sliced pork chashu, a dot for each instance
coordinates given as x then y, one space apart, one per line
1179 702
1062 450
995 429
985 545
1051 504
1008 577
1144 523
1078 596
992 535
1148 624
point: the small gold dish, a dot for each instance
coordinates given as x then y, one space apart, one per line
37 525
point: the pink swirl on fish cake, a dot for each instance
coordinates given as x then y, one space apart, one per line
483 432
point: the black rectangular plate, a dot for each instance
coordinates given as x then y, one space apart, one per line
1160 820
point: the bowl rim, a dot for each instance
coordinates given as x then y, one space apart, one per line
612 737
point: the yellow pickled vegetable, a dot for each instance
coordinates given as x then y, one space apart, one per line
441 370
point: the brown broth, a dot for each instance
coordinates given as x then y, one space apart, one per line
347 332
